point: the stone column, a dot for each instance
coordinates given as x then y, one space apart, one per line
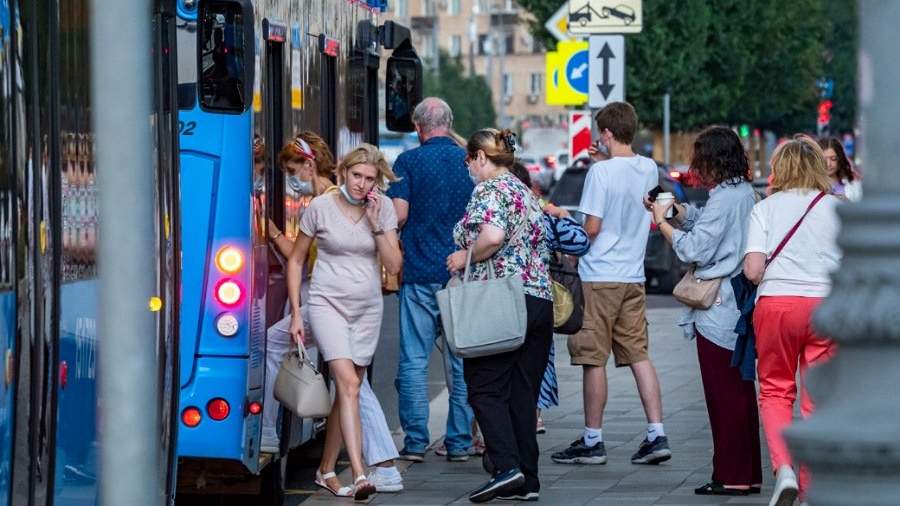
852 443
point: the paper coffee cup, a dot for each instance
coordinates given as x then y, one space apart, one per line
663 199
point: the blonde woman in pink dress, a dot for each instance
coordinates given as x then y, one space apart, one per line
352 229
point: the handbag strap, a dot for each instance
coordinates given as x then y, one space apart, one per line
794 228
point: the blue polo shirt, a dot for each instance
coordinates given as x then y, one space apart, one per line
436 184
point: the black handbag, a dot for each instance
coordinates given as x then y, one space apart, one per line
568 299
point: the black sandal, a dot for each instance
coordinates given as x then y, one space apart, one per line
716 488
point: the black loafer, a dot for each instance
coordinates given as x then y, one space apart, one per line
716 488
501 484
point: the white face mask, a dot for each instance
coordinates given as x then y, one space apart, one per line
300 186
349 198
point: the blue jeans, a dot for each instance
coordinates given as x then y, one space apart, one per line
420 326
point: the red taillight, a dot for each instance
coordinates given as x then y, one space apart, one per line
229 260
254 408
191 416
228 292
218 409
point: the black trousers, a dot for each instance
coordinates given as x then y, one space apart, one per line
503 391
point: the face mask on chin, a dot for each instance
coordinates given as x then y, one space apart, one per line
300 186
349 198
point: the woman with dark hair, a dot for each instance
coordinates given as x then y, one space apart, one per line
844 182
713 238
503 227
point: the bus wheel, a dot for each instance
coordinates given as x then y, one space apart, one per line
271 491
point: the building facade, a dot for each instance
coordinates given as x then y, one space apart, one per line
492 39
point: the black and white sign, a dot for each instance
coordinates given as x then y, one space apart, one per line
606 70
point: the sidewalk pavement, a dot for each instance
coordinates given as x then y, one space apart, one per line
438 482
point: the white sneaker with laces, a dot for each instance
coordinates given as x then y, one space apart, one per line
385 482
786 488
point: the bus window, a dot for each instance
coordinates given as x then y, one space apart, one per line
225 70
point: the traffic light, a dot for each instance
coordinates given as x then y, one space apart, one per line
825 112
744 131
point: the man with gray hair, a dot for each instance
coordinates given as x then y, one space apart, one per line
430 197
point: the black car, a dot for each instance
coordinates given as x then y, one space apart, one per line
661 265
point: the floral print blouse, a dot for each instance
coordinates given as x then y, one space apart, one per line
506 203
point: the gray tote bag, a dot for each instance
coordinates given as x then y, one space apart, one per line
485 317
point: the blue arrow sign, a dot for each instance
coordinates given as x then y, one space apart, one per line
577 71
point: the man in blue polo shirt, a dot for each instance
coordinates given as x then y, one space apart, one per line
430 198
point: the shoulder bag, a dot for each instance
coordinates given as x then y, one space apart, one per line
484 317
300 388
568 297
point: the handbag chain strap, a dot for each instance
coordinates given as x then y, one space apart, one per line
794 228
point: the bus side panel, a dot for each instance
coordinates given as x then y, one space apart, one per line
77 450
216 378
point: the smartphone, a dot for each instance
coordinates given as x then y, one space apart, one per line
652 194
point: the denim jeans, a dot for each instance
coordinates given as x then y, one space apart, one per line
420 326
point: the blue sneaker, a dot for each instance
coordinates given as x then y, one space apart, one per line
503 483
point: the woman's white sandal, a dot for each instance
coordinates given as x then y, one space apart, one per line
362 492
321 480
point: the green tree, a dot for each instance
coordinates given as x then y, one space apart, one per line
469 97
735 61
841 43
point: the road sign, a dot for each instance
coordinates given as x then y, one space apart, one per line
605 16
607 69
579 134
558 24
567 74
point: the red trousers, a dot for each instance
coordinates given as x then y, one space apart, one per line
784 340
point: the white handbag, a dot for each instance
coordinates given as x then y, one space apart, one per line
483 318
300 388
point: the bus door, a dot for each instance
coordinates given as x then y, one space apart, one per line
10 262
166 122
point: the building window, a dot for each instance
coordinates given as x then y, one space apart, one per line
428 8
510 46
537 83
507 85
483 7
402 8
453 7
484 44
430 49
455 45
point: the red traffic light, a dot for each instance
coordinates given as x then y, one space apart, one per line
825 111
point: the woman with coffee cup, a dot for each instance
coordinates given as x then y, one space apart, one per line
712 238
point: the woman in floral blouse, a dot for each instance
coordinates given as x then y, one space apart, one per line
503 226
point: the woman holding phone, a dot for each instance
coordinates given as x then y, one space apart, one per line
352 228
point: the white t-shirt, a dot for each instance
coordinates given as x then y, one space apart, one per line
614 192
803 266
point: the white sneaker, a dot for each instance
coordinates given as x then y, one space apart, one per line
786 488
269 444
385 483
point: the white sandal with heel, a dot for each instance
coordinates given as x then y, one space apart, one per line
362 492
344 491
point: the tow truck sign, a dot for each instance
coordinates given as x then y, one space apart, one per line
605 16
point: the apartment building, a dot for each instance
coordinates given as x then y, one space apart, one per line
492 39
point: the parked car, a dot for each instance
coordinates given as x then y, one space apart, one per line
661 265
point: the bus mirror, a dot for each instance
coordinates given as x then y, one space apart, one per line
226 55
403 90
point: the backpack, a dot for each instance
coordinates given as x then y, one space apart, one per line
568 299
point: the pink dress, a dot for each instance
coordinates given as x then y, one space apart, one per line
345 301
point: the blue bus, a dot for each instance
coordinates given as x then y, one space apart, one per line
257 74
49 222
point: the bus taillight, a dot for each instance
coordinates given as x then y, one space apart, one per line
218 409
191 417
228 292
229 260
254 408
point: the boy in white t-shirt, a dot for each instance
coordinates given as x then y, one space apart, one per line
612 274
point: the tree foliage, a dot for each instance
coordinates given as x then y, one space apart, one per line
469 97
737 61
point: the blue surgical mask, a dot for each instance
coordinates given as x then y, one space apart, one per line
300 186
472 175
349 198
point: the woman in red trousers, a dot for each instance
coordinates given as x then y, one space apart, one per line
790 288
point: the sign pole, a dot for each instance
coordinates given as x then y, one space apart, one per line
666 119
